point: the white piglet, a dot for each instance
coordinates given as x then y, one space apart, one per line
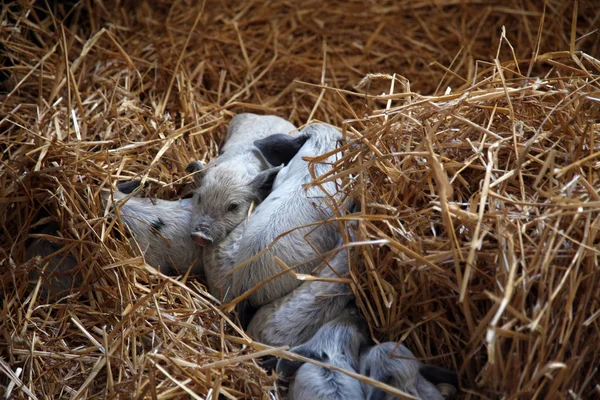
290 207
293 319
161 230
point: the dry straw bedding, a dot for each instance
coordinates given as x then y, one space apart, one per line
483 200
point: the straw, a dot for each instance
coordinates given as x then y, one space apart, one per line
473 151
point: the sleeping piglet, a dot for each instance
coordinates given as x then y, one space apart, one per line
336 343
161 230
293 319
397 366
289 206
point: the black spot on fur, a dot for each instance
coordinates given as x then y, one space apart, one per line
157 226
268 362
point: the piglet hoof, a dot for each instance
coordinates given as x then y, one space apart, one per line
267 362
447 390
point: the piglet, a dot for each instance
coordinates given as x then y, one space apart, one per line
234 180
337 343
397 366
161 230
288 208
220 256
293 319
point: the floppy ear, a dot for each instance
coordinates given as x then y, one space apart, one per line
245 312
279 148
288 368
437 375
263 182
428 390
128 187
195 167
267 362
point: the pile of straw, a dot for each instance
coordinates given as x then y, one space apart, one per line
475 144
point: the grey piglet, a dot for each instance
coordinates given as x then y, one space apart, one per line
161 230
336 343
397 366
233 181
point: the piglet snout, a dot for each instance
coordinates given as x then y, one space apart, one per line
201 238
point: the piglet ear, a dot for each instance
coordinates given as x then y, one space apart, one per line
279 148
194 168
245 312
288 368
263 182
128 187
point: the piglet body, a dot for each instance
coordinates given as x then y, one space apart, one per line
295 318
287 207
336 343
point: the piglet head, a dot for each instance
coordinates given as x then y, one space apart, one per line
224 199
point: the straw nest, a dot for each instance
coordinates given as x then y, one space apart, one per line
475 149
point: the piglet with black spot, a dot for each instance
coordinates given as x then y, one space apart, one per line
161 230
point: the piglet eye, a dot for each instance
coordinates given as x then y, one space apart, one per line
233 207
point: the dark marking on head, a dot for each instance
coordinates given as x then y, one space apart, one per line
279 148
157 226
263 182
128 187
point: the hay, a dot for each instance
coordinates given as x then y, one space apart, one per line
486 194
